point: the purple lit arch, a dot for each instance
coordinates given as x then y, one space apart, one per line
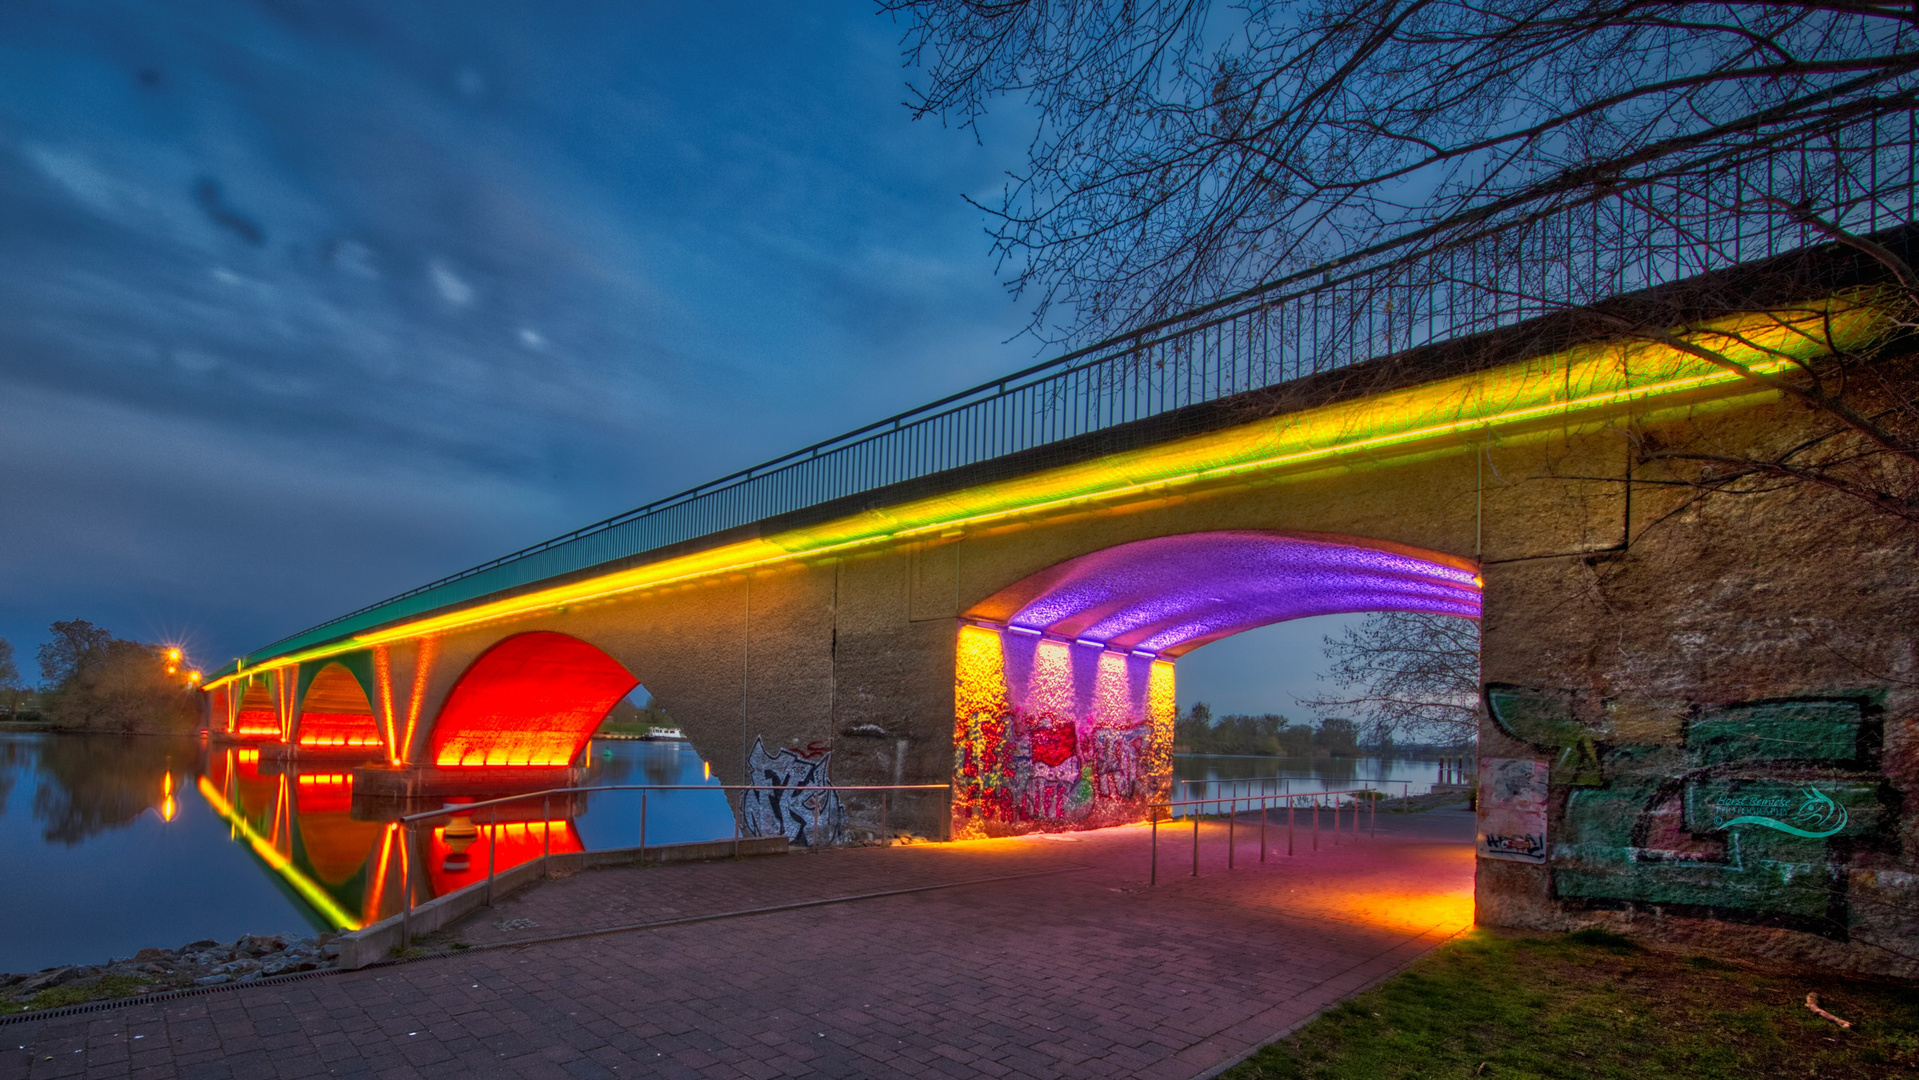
1170 595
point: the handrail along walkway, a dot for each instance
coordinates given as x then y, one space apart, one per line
1370 797
545 795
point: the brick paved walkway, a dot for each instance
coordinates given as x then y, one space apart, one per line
1080 972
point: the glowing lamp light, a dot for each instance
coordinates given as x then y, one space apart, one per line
173 657
193 676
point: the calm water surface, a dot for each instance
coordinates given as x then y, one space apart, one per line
1210 776
114 843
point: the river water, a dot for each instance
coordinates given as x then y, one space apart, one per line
1220 776
114 843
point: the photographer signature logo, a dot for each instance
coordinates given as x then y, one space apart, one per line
1815 818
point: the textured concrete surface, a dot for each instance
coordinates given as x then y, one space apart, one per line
1034 957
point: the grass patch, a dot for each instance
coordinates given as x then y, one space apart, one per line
1594 1005
84 990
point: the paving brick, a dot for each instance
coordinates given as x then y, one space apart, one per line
1084 971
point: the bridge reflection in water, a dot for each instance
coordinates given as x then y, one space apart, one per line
348 862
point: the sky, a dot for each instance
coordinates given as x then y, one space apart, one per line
306 303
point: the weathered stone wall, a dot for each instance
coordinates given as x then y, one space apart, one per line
1701 727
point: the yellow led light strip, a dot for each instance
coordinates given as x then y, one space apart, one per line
302 884
1582 380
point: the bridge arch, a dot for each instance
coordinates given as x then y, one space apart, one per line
256 709
336 712
530 699
1063 704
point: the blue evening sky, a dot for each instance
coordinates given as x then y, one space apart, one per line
305 303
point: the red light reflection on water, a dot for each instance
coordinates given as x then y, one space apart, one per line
354 871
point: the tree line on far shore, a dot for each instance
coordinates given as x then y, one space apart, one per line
1199 732
91 680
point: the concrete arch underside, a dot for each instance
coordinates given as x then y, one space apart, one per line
1063 695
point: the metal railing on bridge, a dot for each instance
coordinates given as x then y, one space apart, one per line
470 810
1415 290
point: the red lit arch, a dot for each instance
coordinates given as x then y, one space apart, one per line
257 717
532 699
336 713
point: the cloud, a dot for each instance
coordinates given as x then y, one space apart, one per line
452 287
297 309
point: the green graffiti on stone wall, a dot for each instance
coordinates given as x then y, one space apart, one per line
1755 812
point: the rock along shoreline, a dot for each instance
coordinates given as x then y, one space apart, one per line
200 963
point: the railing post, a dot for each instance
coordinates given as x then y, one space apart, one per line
1196 844
1153 879
1291 805
1316 802
1265 811
546 835
1335 821
1232 815
886 836
492 842
1372 818
642 859
406 893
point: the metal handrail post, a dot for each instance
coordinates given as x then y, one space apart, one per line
546 835
1291 805
1232 816
1265 811
1153 878
492 843
406 896
1372 817
1335 821
886 835
1316 800
642 858
1195 845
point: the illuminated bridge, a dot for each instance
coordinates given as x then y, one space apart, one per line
994 590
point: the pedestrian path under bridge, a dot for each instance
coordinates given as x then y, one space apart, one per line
1033 957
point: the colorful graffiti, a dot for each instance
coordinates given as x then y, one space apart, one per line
1512 809
1052 734
793 799
1755 812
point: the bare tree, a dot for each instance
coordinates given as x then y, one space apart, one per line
1451 167
1185 150
11 688
1406 674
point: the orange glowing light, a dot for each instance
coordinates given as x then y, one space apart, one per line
533 700
193 676
336 713
168 808
173 656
